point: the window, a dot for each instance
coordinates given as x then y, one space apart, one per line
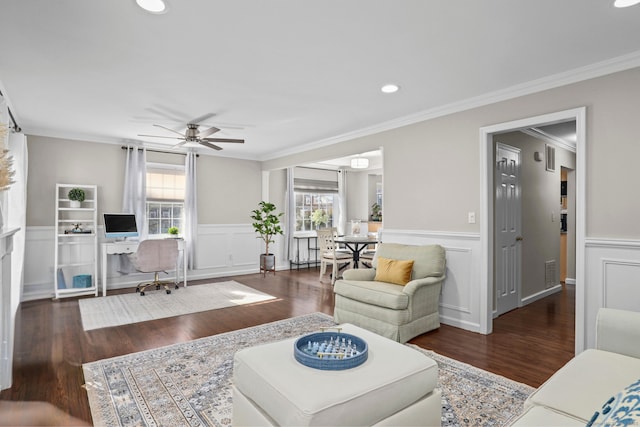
165 197
316 192
308 203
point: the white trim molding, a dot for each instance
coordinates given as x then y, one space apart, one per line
486 212
459 303
223 250
611 279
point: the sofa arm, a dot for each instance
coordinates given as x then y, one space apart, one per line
618 331
359 274
411 287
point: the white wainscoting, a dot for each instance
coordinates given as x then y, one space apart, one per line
612 279
460 301
222 250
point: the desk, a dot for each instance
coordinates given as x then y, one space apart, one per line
120 248
356 245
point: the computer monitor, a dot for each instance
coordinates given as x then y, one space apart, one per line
120 226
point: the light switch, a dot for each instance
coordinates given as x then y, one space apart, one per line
472 217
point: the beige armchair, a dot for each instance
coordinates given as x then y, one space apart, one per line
398 312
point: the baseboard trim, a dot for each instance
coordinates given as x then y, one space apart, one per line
568 281
542 294
457 323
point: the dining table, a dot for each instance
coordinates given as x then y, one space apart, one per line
356 244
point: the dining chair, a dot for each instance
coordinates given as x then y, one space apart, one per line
330 255
366 257
154 256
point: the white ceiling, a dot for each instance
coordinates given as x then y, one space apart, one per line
287 74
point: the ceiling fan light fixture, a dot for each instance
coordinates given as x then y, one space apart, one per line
359 163
153 6
625 3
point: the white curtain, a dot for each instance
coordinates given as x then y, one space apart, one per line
134 197
190 209
17 215
290 215
342 201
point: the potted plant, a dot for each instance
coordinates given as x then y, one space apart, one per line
376 212
318 217
267 224
76 195
173 231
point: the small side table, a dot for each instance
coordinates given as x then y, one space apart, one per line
312 239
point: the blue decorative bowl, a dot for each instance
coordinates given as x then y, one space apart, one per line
319 351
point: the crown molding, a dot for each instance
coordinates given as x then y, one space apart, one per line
576 75
554 140
48 133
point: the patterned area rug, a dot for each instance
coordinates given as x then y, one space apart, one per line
128 308
189 384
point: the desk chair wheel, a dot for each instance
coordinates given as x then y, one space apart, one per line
168 291
142 293
177 287
138 289
157 287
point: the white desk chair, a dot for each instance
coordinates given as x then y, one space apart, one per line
154 256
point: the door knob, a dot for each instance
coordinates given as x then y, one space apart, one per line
519 239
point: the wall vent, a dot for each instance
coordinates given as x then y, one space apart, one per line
550 274
550 156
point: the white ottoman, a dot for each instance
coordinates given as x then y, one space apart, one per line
395 386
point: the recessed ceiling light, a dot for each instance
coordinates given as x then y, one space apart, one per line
392 88
153 6
625 3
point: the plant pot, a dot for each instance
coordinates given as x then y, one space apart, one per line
74 204
267 262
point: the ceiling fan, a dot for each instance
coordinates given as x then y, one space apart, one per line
193 134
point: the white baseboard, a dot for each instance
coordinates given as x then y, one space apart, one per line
542 294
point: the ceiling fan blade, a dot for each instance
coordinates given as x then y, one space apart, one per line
165 113
239 141
201 118
179 144
158 136
209 131
206 144
170 130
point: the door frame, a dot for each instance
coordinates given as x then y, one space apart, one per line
486 215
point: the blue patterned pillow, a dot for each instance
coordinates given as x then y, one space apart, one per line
623 409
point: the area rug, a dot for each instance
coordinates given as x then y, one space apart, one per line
189 384
122 309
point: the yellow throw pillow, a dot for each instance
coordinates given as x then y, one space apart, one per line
394 271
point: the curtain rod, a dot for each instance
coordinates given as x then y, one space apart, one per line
318 169
124 147
16 128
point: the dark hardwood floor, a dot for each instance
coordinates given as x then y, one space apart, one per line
527 345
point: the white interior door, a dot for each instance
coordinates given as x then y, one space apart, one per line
507 228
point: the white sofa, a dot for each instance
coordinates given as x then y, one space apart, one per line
586 384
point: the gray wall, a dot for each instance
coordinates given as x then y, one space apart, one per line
51 160
435 164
